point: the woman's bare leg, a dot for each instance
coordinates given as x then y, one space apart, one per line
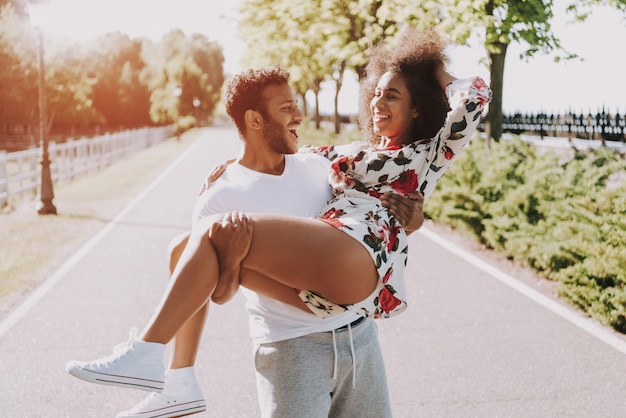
309 254
187 340
192 283
297 252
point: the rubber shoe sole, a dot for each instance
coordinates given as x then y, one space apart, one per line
180 410
76 370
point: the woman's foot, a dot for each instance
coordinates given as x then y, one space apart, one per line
133 364
181 396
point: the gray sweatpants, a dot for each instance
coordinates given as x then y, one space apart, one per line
295 376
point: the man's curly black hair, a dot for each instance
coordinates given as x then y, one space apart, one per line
415 58
245 91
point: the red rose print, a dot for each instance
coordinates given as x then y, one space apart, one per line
332 218
478 83
393 237
448 153
387 275
332 213
336 164
334 222
388 302
374 193
406 183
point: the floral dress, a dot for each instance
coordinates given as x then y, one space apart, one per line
360 173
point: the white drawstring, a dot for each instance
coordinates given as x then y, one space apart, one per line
353 358
351 352
336 360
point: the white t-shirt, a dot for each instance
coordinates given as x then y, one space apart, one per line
302 190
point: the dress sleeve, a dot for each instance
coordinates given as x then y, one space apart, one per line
326 151
331 152
467 98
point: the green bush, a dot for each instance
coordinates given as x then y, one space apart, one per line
558 217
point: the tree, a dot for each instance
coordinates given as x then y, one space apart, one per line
514 21
69 88
324 38
119 96
185 77
275 35
503 22
18 72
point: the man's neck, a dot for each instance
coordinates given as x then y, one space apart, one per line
268 164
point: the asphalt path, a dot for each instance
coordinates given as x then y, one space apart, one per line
473 342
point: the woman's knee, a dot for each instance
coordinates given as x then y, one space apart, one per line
176 247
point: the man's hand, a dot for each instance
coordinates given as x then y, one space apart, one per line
409 211
231 240
215 174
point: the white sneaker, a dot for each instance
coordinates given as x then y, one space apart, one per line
133 364
172 402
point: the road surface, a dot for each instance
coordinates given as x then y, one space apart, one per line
471 344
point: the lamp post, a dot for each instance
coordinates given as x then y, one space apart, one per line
178 91
196 114
46 193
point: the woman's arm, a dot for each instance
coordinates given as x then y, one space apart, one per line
215 174
444 78
468 98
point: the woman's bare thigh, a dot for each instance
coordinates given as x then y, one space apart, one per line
309 254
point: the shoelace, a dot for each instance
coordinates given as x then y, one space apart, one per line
145 402
118 351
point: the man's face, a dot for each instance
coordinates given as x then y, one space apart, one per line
281 119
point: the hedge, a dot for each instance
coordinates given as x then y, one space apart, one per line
564 217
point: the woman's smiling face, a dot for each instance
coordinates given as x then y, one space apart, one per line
392 110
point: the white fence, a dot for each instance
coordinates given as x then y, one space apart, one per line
20 172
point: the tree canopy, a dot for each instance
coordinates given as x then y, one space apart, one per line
319 40
110 83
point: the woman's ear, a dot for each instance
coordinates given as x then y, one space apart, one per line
415 113
253 119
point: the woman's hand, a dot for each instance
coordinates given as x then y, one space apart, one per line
215 174
409 211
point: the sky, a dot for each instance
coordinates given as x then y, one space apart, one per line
535 85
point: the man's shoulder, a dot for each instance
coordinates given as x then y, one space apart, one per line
306 161
230 181
305 157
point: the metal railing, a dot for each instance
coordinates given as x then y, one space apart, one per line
601 126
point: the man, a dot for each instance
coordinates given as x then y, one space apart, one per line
305 365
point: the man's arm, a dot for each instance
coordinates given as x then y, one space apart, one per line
231 240
409 211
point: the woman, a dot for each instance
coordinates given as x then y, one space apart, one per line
353 255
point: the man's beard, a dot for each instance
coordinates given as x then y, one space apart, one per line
276 136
